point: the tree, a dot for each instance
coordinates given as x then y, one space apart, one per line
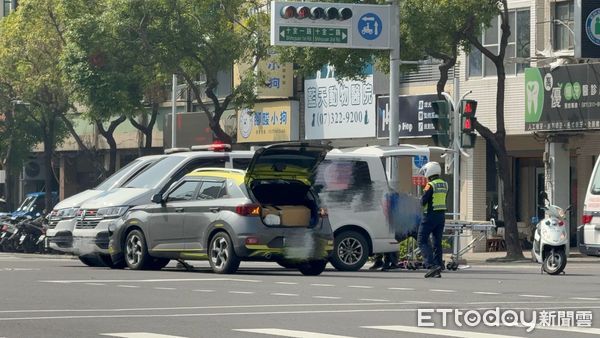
497 140
105 73
30 46
197 40
16 140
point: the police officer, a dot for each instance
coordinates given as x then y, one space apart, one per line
434 209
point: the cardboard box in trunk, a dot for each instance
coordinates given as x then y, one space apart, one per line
291 215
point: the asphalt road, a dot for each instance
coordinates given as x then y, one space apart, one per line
60 297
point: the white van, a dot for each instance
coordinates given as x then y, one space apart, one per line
352 184
59 235
588 233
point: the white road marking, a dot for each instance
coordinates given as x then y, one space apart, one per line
442 290
151 280
204 290
486 293
360 286
286 283
584 330
210 307
291 333
128 286
165 288
95 284
584 298
19 269
327 297
437 332
402 289
374 300
416 302
139 335
535 296
211 314
326 285
284 294
242 292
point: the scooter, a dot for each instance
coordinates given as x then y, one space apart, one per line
551 239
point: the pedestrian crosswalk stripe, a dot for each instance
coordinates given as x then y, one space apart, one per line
291 333
438 332
139 335
584 330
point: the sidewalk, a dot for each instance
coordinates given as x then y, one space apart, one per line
483 257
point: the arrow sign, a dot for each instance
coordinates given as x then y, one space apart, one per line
329 35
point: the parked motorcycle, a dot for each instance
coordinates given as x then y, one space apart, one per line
32 235
9 231
551 239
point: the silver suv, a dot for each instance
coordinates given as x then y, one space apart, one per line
90 236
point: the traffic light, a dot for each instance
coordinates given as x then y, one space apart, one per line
441 123
468 108
316 13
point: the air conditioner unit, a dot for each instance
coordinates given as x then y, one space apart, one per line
33 170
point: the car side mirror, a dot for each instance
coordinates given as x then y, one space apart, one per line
157 198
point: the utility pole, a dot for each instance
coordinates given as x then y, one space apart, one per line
394 88
173 112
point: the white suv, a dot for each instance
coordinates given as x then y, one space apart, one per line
353 186
588 233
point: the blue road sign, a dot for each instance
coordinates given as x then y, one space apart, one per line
420 160
370 26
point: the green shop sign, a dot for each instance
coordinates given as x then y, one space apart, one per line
566 98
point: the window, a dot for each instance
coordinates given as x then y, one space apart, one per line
563 24
241 163
109 182
154 174
6 6
518 46
595 187
185 192
211 190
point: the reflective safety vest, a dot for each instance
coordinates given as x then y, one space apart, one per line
440 190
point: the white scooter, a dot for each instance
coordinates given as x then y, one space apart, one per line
551 239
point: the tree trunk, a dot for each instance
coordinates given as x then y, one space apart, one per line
112 154
48 151
511 235
219 133
108 134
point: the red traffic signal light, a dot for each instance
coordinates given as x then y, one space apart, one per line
468 107
288 12
468 125
303 12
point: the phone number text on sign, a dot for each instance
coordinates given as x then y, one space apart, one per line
349 117
339 109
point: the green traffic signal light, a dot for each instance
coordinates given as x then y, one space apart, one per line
441 122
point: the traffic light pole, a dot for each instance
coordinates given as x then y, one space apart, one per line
394 88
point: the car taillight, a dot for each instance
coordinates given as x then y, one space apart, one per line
248 210
561 223
323 212
251 240
586 219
